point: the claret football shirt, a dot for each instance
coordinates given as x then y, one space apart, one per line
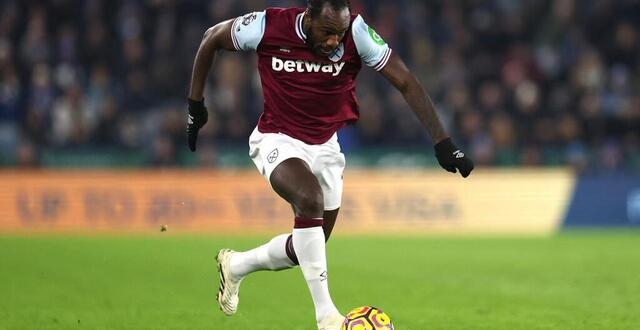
306 96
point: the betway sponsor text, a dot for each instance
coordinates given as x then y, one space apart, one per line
305 66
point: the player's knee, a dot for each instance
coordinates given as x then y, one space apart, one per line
310 203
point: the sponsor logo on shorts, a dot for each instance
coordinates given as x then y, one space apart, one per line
272 156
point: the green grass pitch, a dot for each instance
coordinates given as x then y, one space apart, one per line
574 280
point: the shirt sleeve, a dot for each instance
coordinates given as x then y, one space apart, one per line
247 31
373 50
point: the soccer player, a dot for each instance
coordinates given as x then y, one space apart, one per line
308 59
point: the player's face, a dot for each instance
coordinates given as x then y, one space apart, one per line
327 30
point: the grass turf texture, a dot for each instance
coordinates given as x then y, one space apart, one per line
575 280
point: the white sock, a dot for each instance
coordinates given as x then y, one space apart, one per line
270 256
310 248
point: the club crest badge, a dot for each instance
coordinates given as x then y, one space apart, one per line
273 156
337 54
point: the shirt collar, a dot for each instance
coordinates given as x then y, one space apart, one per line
299 30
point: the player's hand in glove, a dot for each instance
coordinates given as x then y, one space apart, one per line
452 159
197 117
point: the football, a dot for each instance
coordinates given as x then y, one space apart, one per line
367 318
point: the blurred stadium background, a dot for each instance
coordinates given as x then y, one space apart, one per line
544 96
531 83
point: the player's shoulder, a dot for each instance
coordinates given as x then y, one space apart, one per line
283 13
357 21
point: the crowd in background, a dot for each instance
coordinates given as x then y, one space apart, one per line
517 82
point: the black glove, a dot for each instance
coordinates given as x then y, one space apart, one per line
195 120
451 158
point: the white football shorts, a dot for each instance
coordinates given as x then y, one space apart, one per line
268 150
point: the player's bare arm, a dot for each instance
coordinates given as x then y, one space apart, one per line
215 39
404 81
448 155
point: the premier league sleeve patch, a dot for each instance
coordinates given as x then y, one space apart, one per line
248 18
248 30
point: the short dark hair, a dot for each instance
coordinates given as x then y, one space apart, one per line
315 6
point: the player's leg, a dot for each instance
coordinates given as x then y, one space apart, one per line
277 254
329 222
328 166
269 256
294 181
234 266
330 218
